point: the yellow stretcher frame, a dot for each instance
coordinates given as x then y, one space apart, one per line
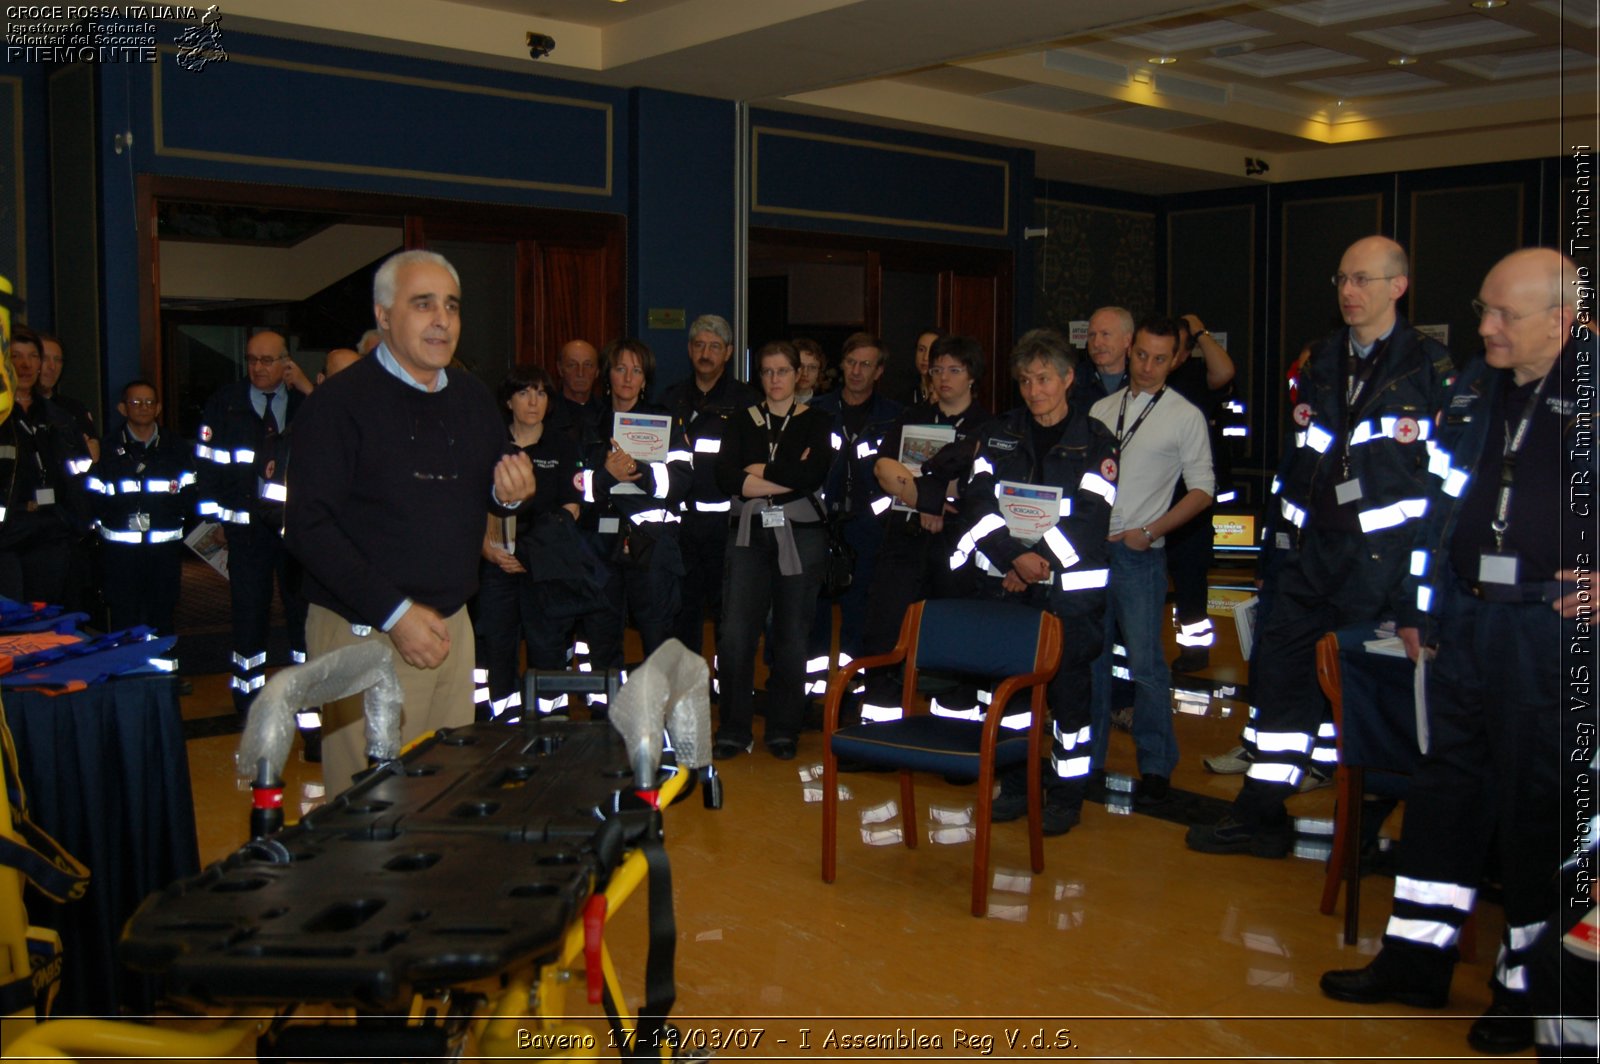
532 1000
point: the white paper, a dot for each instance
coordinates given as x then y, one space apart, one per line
1244 621
644 437
1029 510
208 541
1419 692
918 443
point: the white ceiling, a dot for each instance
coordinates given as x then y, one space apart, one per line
1313 88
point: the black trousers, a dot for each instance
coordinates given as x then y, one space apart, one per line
1500 770
141 584
257 558
1188 564
911 566
1334 579
703 543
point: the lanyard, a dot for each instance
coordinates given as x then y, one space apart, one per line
1122 413
1508 463
1358 373
772 439
33 433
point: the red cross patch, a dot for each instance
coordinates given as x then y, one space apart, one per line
1108 469
577 482
1405 430
205 433
1302 415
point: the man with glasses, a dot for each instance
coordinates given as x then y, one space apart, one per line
388 516
702 405
241 452
1351 491
141 486
1496 589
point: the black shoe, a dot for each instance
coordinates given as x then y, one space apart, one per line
1153 790
1231 836
1059 817
311 746
723 749
1374 984
1504 1028
1008 807
1194 659
782 749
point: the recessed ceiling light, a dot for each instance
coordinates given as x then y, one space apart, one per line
1403 60
1162 60
1488 5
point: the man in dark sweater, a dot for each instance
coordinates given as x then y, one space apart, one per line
399 461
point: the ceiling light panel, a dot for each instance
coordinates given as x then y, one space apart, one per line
1381 83
1462 31
1338 12
1585 15
1530 63
1153 118
1197 35
1190 89
1085 66
1284 61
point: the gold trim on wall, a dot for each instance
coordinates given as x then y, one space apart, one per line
161 147
755 183
19 283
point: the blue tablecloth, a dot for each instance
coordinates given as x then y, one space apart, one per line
106 773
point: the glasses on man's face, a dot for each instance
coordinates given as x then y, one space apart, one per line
1501 314
142 404
1359 280
713 346
777 371
263 361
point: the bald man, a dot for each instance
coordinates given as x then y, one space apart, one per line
340 358
1504 602
1349 497
579 409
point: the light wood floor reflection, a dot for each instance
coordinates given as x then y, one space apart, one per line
1128 941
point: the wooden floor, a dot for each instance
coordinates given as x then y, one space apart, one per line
1128 942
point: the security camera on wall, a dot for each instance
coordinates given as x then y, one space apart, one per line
540 45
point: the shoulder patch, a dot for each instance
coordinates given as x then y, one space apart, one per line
1302 414
1108 469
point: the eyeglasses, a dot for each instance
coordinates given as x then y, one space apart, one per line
141 402
706 345
1360 280
264 360
1484 311
776 371
954 370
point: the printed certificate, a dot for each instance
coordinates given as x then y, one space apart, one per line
1030 510
645 437
918 443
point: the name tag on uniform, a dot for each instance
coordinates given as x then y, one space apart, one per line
609 526
1348 492
772 517
1494 568
138 522
1281 541
45 496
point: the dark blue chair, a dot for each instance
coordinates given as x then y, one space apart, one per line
1014 647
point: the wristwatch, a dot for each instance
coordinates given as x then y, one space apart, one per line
1149 535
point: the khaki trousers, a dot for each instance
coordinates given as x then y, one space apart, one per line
434 698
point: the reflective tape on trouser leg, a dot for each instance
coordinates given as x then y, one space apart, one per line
1198 634
1069 753
1429 912
1510 967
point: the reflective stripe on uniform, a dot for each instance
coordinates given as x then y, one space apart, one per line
1100 486
714 507
1433 933
1084 579
1396 513
707 446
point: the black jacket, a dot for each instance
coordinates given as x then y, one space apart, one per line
142 491
239 483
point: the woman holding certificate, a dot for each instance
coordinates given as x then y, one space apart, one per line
1041 493
635 480
924 461
775 457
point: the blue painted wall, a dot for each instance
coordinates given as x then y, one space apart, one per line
681 224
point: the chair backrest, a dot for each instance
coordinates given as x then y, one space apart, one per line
982 638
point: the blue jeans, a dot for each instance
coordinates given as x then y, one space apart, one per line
1136 599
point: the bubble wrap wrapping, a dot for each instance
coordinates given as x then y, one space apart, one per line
367 667
671 693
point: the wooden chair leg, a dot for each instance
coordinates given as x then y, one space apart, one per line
1334 877
908 809
830 811
980 869
1350 870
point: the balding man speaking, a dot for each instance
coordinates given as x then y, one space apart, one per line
402 459
1351 492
